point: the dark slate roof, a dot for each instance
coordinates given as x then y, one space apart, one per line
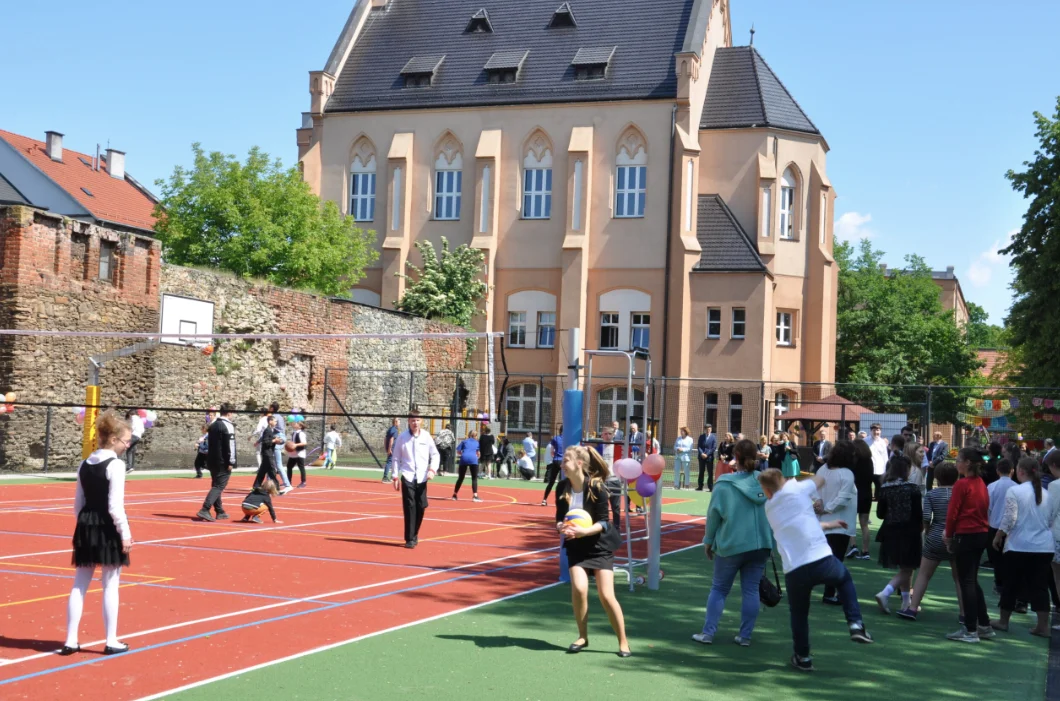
745 92
9 194
726 246
647 33
422 64
594 56
506 59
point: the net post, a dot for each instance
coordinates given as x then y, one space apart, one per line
88 436
47 436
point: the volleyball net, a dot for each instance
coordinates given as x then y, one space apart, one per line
53 384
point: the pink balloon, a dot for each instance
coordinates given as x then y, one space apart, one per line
628 469
655 478
142 413
645 486
654 464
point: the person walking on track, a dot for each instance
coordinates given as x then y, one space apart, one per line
416 459
220 461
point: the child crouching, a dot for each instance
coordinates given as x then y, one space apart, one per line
259 501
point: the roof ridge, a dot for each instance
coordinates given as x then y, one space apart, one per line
732 218
782 86
758 82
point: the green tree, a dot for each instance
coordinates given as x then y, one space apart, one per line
1035 251
257 219
892 330
979 332
448 286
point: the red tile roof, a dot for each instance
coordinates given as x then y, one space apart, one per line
833 408
990 359
112 200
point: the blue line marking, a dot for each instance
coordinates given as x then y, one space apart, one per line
163 585
293 557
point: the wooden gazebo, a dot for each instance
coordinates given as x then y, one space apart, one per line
832 410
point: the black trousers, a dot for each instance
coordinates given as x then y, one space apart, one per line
551 474
464 467
708 465
267 468
293 463
200 463
614 496
998 562
969 551
838 543
1027 576
445 457
218 482
414 504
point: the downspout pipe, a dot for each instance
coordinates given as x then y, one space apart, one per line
669 248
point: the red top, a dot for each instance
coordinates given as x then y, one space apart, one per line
969 504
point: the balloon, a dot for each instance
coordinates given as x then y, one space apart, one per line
3 408
77 409
80 418
636 499
148 423
9 397
152 416
10 408
628 469
141 413
654 464
655 478
645 486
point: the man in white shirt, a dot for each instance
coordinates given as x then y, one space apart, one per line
997 491
880 448
416 459
808 560
530 445
332 443
136 423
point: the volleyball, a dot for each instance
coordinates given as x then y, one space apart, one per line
289 446
579 517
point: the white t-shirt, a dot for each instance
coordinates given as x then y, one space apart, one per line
297 437
332 440
839 497
880 449
577 500
530 446
136 424
1026 522
525 463
798 533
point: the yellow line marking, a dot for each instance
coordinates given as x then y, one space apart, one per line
72 569
488 530
90 591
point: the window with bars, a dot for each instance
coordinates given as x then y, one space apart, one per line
447 187
609 330
362 196
523 407
739 322
630 191
640 331
546 329
784 328
735 413
612 405
517 329
710 403
781 405
714 322
537 193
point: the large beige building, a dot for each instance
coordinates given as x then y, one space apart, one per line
625 169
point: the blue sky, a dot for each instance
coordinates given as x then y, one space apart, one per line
925 105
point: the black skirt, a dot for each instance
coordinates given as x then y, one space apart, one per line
900 547
591 560
97 541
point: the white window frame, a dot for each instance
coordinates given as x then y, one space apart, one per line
733 408
767 211
108 262
689 194
362 195
517 329
611 405
824 215
742 322
787 206
448 187
609 320
631 188
529 413
781 406
710 312
709 406
537 193
546 320
785 329
639 321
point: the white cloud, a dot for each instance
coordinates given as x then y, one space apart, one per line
981 270
850 226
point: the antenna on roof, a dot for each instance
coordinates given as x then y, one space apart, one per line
752 34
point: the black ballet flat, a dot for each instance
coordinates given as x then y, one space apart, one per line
625 653
575 648
67 650
108 650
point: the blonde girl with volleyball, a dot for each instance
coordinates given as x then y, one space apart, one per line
590 541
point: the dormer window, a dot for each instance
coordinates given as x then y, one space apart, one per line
503 66
480 23
420 71
591 64
563 17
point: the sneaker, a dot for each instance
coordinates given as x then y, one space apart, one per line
255 519
863 556
985 632
475 498
831 600
285 490
222 516
205 515
129 469
804 664
544 502
703 638
1021 607
384 480
881 600
853 552
301 485
742 642
964 636
454 497
908 614
858 634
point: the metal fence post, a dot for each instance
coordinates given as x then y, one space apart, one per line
412 384
927 412
540 414
47 436
324 414
762 407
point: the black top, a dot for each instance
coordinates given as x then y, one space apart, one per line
863 471
485 445
267 437
221 444
96 486
257 497
596 502
725 450
900 506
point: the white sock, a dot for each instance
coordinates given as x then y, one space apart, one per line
905 600
75 605
110 604
887 590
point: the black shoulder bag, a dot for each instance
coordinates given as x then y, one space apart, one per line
769 593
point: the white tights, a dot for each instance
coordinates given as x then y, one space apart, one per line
75 605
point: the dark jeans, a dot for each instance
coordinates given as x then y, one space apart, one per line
200 463
130 453
614 496
293 463
838 543
413 504
996 560
708 465
218 482
800 583
1027 576
445 459
551 475
464 467
267 468
929 477
968 549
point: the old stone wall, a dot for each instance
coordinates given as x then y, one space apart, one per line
38 291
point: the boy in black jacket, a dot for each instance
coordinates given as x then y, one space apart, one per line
220 460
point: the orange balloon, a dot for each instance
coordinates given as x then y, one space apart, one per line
653 464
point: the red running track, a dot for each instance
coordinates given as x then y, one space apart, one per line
202 600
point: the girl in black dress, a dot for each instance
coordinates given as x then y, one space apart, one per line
591 548
901 508
102 535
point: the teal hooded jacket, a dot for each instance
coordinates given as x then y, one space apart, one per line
736 518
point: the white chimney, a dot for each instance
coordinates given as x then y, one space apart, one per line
116 163
54 145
